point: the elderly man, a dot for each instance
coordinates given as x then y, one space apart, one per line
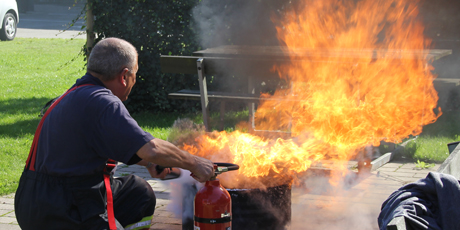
66 183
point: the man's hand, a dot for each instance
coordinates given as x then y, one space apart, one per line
154 173
203 169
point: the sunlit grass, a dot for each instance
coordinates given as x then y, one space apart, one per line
431 145
33 71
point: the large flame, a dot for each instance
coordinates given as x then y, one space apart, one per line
359 74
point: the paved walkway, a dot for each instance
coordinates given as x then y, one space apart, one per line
316 205
52 21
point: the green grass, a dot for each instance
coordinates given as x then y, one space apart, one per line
431 145
428 149
33 71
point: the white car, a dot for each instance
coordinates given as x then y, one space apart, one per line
9 19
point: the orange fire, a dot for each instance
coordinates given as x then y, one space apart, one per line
359 74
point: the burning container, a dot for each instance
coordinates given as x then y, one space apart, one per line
261 209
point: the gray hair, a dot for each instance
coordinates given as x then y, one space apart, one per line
109 56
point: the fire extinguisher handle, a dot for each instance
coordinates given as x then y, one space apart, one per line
224 167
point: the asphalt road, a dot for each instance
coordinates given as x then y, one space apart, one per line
52 21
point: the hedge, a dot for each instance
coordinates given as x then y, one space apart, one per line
154 28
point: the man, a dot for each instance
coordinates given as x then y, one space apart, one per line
63 184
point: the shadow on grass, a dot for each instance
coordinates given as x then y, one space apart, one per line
18 109
23 106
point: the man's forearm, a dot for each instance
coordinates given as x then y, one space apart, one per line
165 154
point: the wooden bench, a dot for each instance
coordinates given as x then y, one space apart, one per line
221 97
203 66
187 94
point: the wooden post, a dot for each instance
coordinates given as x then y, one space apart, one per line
203 93
222 115
89 28
251 105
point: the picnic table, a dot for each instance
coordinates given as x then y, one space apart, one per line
256 63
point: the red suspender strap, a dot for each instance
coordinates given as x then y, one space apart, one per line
110 213
30 163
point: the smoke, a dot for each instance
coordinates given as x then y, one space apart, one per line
442 21
319 205
249 22
333 216
236 22
182 196
316 203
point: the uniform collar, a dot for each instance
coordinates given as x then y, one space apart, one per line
89 79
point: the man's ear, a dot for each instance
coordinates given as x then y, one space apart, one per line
123 78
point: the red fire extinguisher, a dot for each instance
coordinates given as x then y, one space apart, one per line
213 204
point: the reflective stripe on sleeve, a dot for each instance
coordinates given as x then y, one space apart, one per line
144 223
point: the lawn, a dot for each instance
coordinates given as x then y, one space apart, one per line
37 70
33 72
431 145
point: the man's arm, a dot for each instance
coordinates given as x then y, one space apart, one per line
166 154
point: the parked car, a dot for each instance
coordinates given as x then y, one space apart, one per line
9 17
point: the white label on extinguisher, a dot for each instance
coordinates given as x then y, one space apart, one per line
229 228
197 228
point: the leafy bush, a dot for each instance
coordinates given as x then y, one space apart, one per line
155 28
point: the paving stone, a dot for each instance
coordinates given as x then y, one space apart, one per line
414 169
4 212
167 220
419 176
402 175
9 196
163 202
159 186
6 200
162 226
164 213
6 206
381 191
163 196
8 220
381 180
388 168
9 226
393 165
